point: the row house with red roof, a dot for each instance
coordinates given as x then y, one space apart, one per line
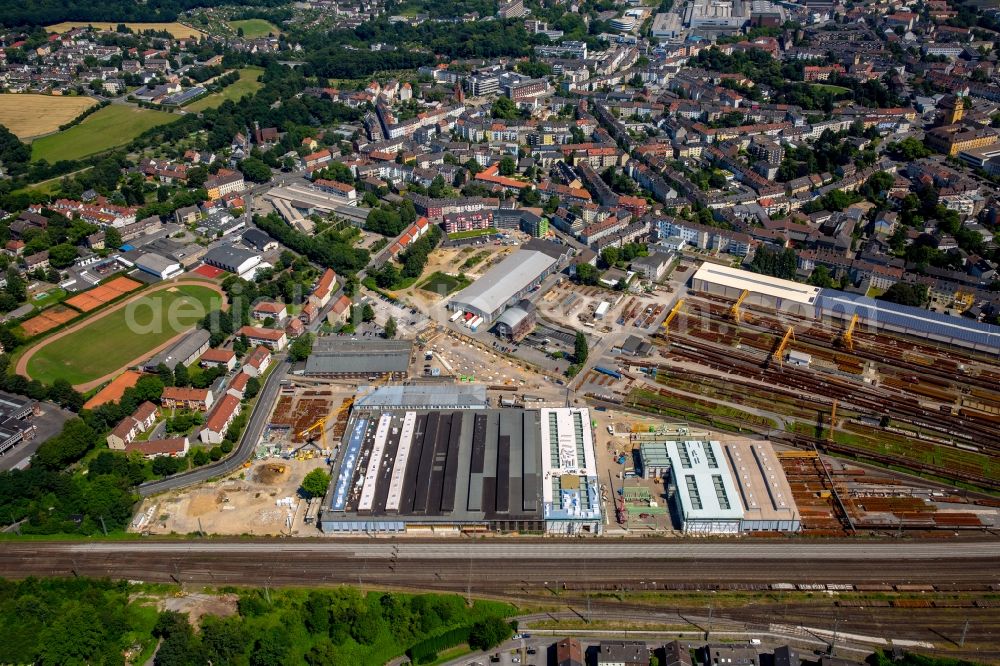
141 420
269 337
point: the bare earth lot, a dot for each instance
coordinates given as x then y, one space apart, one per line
29 116
255 504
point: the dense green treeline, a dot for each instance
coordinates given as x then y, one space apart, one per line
330 249
46 12
97 621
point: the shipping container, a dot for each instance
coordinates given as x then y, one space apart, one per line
607 371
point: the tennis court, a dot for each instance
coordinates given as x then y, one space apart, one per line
47 320
103 293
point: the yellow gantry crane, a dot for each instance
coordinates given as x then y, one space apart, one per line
670 317
833 420
779 353
849 333
734 312
321 425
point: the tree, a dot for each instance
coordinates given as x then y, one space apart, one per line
112 238
62 255
390 328
505 109
252 388
300 349
315 483
488 633
181 377
610 256
166 374
387 276
821 277
904 293
255 170
587 274
580 348
271 648
367 313
508 167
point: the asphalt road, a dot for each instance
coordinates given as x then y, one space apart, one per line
245 449
493 565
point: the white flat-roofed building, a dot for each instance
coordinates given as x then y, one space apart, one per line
504 284
762 487
571 498
707 499
764 291
666 26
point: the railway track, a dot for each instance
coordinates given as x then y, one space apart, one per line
712 346
755 583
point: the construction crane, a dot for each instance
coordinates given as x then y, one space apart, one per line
670 317
734 312
833 421
779 353
849 333
321 425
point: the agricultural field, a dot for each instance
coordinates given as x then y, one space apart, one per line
248 84
29 116
444 284
254 28
178 30
121 336
108 128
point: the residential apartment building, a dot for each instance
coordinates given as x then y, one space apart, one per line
132 426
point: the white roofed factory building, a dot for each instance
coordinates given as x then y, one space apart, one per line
511 280
723 487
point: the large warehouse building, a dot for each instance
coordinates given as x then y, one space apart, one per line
510 280
405 467
838 306
342 358
723 487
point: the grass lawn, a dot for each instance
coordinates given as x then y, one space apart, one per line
458 235
443 284
830 88
178 30
48 298
111 342
247 84
253 28
112 126
51 185
33 115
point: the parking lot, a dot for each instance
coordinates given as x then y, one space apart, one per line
409 321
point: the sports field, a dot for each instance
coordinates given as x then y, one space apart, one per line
248 84
254 28
122 336
29 116
178 30
112 126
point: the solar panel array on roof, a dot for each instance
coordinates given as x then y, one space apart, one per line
908 319
458 467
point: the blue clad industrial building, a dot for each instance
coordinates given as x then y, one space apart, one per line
838 306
